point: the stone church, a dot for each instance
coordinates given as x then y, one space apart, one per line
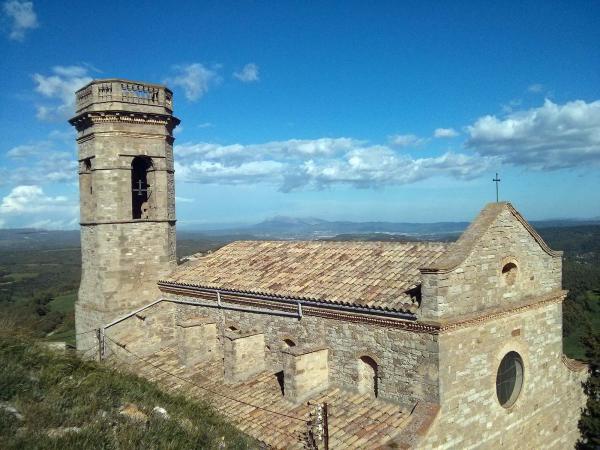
410 345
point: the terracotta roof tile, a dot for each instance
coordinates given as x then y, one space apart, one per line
374 274
355 420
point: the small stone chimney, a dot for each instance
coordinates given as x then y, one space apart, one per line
196 340
305 372
244 355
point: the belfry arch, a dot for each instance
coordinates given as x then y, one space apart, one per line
141 187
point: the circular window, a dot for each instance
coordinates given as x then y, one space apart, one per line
509 379
509 272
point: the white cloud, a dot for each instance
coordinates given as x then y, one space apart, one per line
316 164
445 133
22 18
206 125
184 200
31 199
40 162
549 137
60 86
195 79
406 140
248 74
535 88
30 206
58 224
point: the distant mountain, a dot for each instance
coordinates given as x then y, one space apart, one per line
30 238
285 227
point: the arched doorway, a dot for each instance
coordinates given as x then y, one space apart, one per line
368 376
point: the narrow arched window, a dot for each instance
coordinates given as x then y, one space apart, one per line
368 376
289 343
510 272
140 189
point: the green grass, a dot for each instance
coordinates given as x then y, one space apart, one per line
52 390
64 303
20 276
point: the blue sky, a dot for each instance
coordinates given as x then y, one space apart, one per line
395 111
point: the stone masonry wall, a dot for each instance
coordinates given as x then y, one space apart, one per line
545 414
478 283
407 361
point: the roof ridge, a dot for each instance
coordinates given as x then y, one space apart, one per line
463 247
328 242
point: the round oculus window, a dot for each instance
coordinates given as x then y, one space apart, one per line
509 379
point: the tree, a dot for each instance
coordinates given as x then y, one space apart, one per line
589 424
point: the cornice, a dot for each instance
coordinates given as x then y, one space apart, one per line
88 119
375 317
494 314
111 222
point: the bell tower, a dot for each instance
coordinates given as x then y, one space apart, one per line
127 198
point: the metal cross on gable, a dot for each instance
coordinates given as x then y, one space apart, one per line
496 180
139 189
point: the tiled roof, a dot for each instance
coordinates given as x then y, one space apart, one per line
373 274
258 408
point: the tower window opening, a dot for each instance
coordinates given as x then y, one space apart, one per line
140 189
289 343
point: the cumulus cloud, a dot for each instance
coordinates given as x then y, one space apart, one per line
195 79
46 161
30 206
549 137
406 140
248 74
22 18
31 199
316 164
445 133
60 87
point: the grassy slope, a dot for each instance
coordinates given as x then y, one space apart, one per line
51 391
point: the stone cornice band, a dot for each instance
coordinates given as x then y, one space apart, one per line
372 316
